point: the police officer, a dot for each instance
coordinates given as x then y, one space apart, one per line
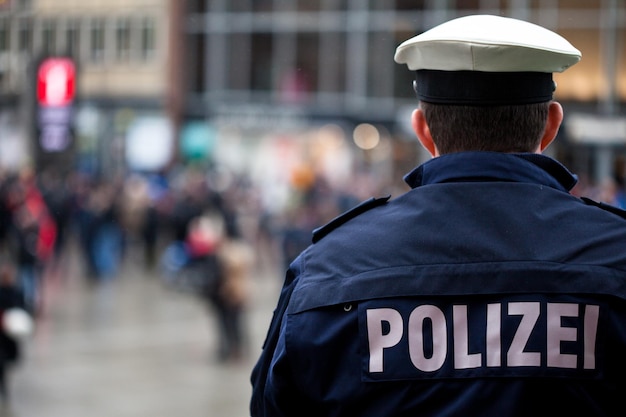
487 289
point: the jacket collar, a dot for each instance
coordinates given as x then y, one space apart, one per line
493 166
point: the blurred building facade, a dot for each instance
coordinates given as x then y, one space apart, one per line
259 62
119 49
277 88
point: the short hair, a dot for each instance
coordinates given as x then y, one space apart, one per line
510 128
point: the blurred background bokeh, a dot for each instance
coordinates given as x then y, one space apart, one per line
127 127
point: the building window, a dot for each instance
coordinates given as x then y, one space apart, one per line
96 38
239 64
307 60
20 5
122 39
72 39
332 74
309 5
48 37
147 38
576 4
196 73
262 5
5 48
379 72
5 36
410 4
261 61
468 4
239 5
197 6
25 35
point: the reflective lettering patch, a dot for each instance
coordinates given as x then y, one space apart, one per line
379 342
408 339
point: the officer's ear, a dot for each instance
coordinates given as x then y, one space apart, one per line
555 117
422 131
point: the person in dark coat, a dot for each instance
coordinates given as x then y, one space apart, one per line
10 298
487 289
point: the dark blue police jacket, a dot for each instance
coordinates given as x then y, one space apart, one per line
486 290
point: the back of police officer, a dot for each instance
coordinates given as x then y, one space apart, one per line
485 290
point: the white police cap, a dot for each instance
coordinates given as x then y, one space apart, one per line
486 59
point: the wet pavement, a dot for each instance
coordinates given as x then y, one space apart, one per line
132 347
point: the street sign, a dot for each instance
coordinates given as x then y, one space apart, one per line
55 90
56 78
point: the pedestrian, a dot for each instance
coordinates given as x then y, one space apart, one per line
15 322
230 299
487 289
222 262
33 234
100 232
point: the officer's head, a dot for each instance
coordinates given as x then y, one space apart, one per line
485 83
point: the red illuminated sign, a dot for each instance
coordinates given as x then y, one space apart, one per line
56 86
56 82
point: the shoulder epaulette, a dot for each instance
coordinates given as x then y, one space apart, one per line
612 209
366 205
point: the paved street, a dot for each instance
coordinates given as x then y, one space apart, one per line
132 347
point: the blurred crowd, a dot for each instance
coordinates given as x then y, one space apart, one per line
205 231
172 218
